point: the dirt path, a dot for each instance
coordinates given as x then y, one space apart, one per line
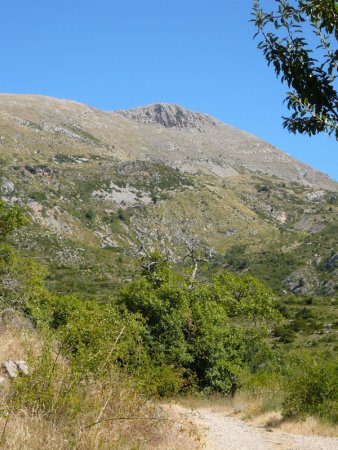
223 432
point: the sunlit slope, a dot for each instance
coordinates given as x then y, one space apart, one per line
39 127
94 179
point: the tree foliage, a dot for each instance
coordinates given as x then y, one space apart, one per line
299 39
21 279
312 388
206 334
11 218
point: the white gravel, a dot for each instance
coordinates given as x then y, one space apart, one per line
223 432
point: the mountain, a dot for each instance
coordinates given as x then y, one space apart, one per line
98 183
191 142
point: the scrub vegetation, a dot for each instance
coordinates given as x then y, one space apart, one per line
97 366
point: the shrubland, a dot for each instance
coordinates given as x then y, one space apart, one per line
101 364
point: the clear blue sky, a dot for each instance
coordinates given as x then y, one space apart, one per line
121 54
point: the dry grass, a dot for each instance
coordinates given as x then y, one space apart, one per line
113 413
26 430
311 426
18 341
17 337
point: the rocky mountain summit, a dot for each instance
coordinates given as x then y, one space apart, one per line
168 115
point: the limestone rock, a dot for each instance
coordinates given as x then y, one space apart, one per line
14 367
7 187
22 366
302 281
11 368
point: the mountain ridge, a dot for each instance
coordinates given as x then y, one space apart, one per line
204 144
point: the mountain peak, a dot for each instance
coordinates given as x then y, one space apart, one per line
168 115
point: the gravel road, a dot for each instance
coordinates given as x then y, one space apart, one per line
223 432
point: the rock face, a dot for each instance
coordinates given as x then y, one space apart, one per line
302 281
332 263
167 115
11 368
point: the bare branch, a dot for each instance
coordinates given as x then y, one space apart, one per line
195 250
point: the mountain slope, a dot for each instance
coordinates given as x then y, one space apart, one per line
97 182
168 133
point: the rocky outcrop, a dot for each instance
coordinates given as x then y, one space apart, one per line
39 170
332 262
302 281
167 115
14 367
7 187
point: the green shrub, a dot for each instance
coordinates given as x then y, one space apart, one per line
89 215
52 389
165 335
312 389
21 280
123 215
285 333
38 196
11 218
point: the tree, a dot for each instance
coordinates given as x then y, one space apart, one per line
196 251
21 279
207 334
299 38
11 218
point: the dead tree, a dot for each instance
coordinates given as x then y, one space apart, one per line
150 255
197 252
148 258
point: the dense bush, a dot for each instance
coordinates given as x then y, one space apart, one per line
312 388
11 217
198 331
21 280
165 335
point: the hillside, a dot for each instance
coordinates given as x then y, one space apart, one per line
93 180
160 231
39 127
